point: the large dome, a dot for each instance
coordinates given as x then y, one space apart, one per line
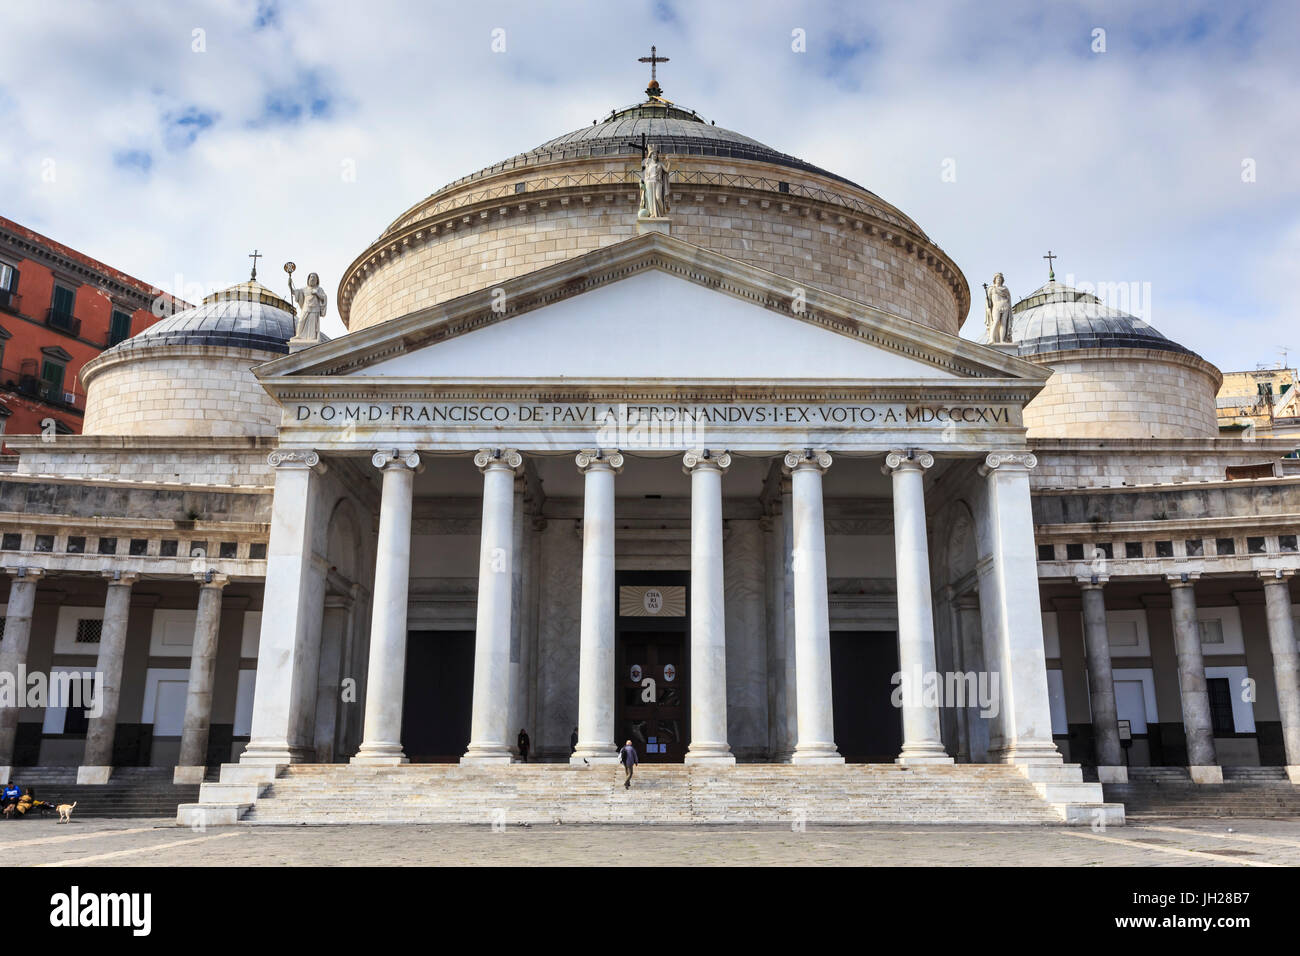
672 128
731 194
247 316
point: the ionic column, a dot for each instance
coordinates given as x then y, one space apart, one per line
386 672
708 621
1012 620
193 760
489 738
776 685
13 657
922 740
289 596
596 641
97 764
1286 663
1202 761
790 676
812 624
1101 683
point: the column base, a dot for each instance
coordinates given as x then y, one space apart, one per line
1210 774
380 755
272 753
924 759
711 756
1292 774
589 755
813 754
1027 753
94 775
485 756
1112 774
189 775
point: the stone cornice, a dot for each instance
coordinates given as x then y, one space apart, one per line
563 280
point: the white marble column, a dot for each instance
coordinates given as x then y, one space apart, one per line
708 619
193 760
386 674
812 626
972 657
596 632
791 675
13 656
922 741
97 764
489 736
1012 620
776 717
1286 663
1198 728
287 612
1101 683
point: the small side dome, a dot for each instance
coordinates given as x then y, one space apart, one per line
1115 375
190 374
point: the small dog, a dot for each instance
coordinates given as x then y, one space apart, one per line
10 809
65 811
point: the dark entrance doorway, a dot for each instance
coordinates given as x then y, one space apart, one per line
653 647
438 695
868 727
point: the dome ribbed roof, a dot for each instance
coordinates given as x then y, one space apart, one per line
245 316
1057 318
675 129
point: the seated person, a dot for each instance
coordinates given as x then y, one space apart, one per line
10 794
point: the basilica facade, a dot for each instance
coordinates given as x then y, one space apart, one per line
719 478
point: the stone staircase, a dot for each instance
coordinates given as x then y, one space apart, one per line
1260 792
131 792
675 794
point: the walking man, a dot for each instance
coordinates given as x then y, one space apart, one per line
627 757
524 743
573 740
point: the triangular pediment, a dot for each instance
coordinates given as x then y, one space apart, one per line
651 309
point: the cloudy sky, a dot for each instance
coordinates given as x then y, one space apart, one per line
1154 147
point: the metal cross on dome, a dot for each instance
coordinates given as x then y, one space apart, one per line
1051 273
654 60
254 255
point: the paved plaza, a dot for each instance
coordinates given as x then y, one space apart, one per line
117 843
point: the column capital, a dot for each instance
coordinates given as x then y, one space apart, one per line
995 460
1274 575
498 458
1090 582
126 578
599 459
395 458
705 459
21 571
290 458
911 460
807 459
211 579
1183 579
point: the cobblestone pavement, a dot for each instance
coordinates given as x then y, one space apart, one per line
161 842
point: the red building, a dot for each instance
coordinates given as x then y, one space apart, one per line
59 308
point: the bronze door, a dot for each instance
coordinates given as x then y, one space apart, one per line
653 695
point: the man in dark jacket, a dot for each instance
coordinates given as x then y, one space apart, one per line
524 744
573 739
627 757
